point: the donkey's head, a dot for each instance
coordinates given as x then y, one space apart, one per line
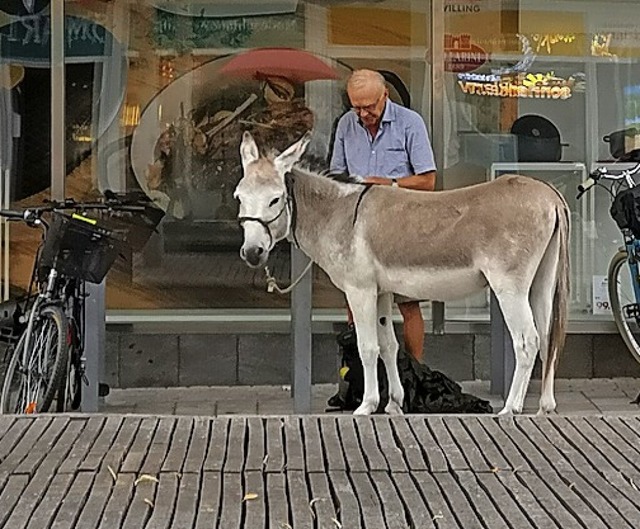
265 212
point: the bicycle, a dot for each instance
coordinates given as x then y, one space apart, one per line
624 289
48 364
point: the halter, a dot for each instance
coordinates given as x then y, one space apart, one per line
289 204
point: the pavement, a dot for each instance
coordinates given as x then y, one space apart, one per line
574 397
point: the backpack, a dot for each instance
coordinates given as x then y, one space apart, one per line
425 390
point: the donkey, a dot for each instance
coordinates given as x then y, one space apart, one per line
511 234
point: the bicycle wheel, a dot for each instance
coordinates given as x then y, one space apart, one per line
33 377
626 311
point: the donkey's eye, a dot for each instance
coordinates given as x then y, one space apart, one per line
274 201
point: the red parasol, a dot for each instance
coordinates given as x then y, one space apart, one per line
295 65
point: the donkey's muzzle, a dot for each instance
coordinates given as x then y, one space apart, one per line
254 256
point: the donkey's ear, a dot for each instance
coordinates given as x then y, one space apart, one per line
285 161
248 149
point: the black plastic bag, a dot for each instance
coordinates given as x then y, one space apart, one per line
425 390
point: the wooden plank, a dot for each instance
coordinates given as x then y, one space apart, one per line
25 445
466 443
96 500
255 509
187 501
73 502
622 430
92 427
164 502
275 458
389 446
348 505
255 446
452 453
117 506
314 457
210 500
6 421
137 453
11 494
46 509
197 451
526 500
515 432
369 443
231 507
13 435
321 502
100 446
236 445
434 498
31 496
333 450
293 444
141 505
179 443
368 500
120 447
491 450
508 456
431 450
278 500
299 501
419 515
43 446
454 493
612 443
217 449
55 449
159 447
393 509
495 494
350 445
552 456
408 445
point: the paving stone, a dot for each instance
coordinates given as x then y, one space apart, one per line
148 360
208 359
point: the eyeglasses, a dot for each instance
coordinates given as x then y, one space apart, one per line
368 108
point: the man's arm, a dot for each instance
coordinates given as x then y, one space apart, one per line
338 163
420 182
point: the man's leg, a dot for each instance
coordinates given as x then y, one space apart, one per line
413 328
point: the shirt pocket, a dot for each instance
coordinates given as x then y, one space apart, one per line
396 161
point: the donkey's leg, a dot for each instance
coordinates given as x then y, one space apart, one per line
389 353
519 320
363 305
542 299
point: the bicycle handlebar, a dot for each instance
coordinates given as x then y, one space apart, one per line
604 173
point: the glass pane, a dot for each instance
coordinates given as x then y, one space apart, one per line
544 88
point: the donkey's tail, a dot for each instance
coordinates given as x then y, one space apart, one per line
561 294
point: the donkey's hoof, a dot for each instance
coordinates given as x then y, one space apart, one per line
506 412
392 408
365 409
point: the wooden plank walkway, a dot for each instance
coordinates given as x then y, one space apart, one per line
317 472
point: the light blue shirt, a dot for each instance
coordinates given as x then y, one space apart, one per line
401 146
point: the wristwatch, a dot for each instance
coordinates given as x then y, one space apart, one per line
394 182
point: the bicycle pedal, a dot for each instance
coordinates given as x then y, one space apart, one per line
103 389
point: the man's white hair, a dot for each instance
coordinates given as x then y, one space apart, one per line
365 78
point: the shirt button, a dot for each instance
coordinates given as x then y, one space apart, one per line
373 152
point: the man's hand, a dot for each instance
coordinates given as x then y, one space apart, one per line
378 180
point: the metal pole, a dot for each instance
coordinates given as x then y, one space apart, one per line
6 203
437 121
301 332
94 344
57 101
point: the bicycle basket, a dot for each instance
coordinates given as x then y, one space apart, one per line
625 210
78 247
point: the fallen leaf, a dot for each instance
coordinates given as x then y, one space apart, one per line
249 496
113 474
337 523
145 477
149 502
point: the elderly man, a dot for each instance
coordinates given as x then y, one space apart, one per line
388 145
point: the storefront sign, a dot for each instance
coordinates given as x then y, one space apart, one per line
537 86
462 55
28 39
23 7
464 6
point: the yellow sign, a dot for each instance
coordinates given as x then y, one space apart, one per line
537 86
